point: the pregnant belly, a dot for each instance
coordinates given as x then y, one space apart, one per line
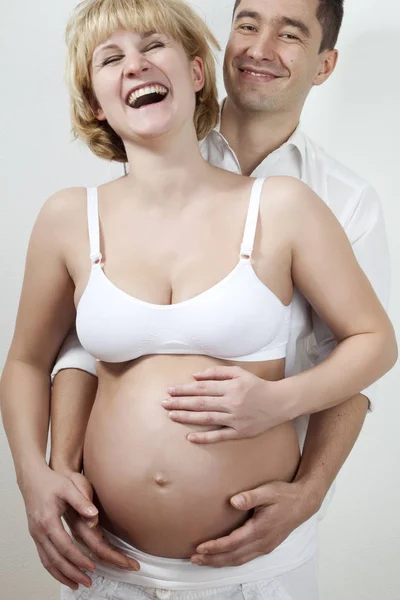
154 488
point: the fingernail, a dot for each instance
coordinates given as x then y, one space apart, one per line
239 501
191 437
92 510
197 561
166 402
171 390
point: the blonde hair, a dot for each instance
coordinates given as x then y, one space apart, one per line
93 22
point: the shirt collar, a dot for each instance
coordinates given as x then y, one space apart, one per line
296 140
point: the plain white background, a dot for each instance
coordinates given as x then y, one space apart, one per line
355 116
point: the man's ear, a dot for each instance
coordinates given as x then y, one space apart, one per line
328 64
198 73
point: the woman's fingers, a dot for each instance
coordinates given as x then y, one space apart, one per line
212 437
74 497
200 418
67 549
197 403
94 541
198 388
51 560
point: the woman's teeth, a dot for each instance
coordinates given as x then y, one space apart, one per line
150 89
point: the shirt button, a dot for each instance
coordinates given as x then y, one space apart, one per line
163 594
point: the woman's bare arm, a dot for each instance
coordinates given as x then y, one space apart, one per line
46 313
326 272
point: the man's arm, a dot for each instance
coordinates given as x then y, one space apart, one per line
72 400
73 395
331 436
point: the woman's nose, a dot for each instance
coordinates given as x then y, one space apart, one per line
135 65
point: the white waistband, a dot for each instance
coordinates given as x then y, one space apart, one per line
181 574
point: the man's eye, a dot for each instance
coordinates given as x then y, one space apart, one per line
247 28
110 60
290 36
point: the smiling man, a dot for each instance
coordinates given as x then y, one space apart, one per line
277 52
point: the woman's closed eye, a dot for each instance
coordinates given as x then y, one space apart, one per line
110 60
113 59
154 45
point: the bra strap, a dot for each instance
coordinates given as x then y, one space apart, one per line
246 249
93 225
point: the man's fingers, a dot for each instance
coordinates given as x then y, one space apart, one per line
53 571
200 388
197 403
239 538
228 559
212 437
218 374
57 561
78 501
200 418
261 496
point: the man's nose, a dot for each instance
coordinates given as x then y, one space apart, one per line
263 48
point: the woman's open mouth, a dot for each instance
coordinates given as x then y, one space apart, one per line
151 94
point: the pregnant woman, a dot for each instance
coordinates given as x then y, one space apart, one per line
176 267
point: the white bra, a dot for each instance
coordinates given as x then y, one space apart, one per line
237 319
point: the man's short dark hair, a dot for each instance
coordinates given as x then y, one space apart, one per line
330 15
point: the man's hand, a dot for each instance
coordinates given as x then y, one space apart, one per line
88 534
279 508
240 403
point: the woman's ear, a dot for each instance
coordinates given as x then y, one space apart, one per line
198 73
97 111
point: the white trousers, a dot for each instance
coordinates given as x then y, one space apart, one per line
299 584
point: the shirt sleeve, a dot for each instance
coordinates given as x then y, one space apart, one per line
367 234
73 356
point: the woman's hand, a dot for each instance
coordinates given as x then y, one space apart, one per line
47 496
240 403
86 531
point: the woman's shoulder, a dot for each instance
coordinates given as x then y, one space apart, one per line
288 194
65 201
64 206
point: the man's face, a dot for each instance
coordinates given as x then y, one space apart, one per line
272 57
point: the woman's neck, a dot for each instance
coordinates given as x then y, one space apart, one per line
168 166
